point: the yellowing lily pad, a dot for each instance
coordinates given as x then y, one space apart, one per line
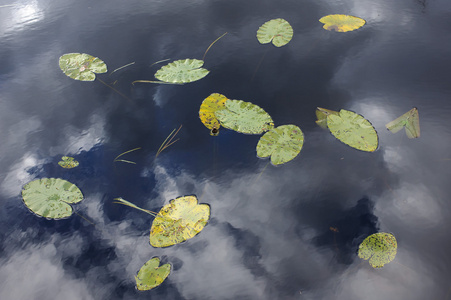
81 66
178 221
410 120
68 162
321 114
244 117
277 31
207 110
282 143
380 248
50 197
150 275
182 71
342 23
351 129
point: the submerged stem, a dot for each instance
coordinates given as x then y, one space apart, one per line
114 89
122 67
203 57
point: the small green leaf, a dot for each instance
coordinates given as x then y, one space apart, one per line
282 143
244 117
410 120
150 275
81 66
182 71
68 162
277 31
380 248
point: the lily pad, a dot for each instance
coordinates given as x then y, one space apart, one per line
410 120
380 248
244 117
150 275
50 197
178 221
342 23
68 162
282 143
353 130
277 31
182 71
321 114
81 66
207 110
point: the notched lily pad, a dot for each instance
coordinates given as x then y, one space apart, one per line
342 23
68 162
282 143
151 275
81 66
207 110
277 31
244 117
380 248
178 221
410 120
182 71
50 197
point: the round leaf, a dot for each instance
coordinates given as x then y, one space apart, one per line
353 130
178 221
68 162
379 248
49 197
81 66
212 103
150 275
342 23
277 31
282 143
244 117
182 71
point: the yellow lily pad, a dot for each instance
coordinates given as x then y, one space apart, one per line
380 248
68 162
207 110
342 23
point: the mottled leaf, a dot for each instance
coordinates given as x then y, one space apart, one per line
81 66
380 248
182 71
150 275
321 114
207 110
410 120
50 197
68 162
282 143
277 31
342 23
244 117
178 221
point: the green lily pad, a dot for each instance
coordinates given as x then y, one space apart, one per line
182 71
282 143
150 275
321 114
81 66
207 110
277 31
244 117
50 197
353 130
410 120
380 248
178 221
68 162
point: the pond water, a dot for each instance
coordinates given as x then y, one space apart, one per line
285 232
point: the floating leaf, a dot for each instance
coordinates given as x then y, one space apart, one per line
50 197
244 117
182 71
150 275
353 130
277 31
321 114
81 66
380 248
68 162
410 120
207 110
282 143
178 221
342 23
